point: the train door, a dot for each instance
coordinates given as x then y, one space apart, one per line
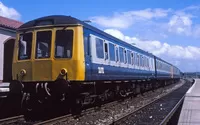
88 73
7 60
106 53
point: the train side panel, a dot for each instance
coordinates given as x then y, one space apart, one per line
107 65
163 69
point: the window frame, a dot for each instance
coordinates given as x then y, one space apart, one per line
121 59
54 50
109 45
117 56
125 56
35 43
53 41
32 46
106 44
103 41
129 58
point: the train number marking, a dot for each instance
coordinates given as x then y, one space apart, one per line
100 70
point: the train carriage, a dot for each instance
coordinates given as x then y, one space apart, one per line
163 69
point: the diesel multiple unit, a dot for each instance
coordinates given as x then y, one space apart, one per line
64 58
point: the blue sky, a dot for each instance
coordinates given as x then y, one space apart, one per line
169 29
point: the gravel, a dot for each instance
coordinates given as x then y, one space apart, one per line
110 113
154 113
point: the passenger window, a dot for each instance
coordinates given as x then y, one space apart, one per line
132 58
112 52
43 44
121 54
145 61
106 51
117 54
141 59
25 46
125 56
64 44
129 57
99 48
135 59
138 60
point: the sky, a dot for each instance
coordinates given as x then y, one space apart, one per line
169 29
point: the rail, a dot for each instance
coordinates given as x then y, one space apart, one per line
119 119
11 119
54 120
167 118
142 107
64 118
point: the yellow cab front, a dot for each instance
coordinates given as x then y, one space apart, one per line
41 53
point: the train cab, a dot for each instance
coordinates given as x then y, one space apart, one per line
49 48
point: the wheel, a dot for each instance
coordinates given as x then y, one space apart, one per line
31 108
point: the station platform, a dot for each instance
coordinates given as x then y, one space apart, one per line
4 89
190 112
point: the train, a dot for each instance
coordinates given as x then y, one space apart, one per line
61 59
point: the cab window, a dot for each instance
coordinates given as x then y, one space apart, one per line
43 44
25 46
64 44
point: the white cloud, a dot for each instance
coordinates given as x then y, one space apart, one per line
181 23
149 13
9 12
193 7
160 49
126 19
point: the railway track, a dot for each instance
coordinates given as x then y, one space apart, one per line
68 117
11 120
156 112
55 120
172 112
89 114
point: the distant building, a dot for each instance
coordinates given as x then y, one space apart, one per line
7 37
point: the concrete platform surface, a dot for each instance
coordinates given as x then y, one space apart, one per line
190 113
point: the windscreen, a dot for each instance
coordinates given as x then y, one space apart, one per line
64 44
25 46
43 44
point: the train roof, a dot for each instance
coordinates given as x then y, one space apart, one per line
52 20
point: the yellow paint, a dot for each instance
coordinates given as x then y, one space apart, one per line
49 69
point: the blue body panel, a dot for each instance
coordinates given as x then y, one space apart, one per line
112 72
162 75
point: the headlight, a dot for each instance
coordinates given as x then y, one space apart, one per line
23 72
4 89
63 71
